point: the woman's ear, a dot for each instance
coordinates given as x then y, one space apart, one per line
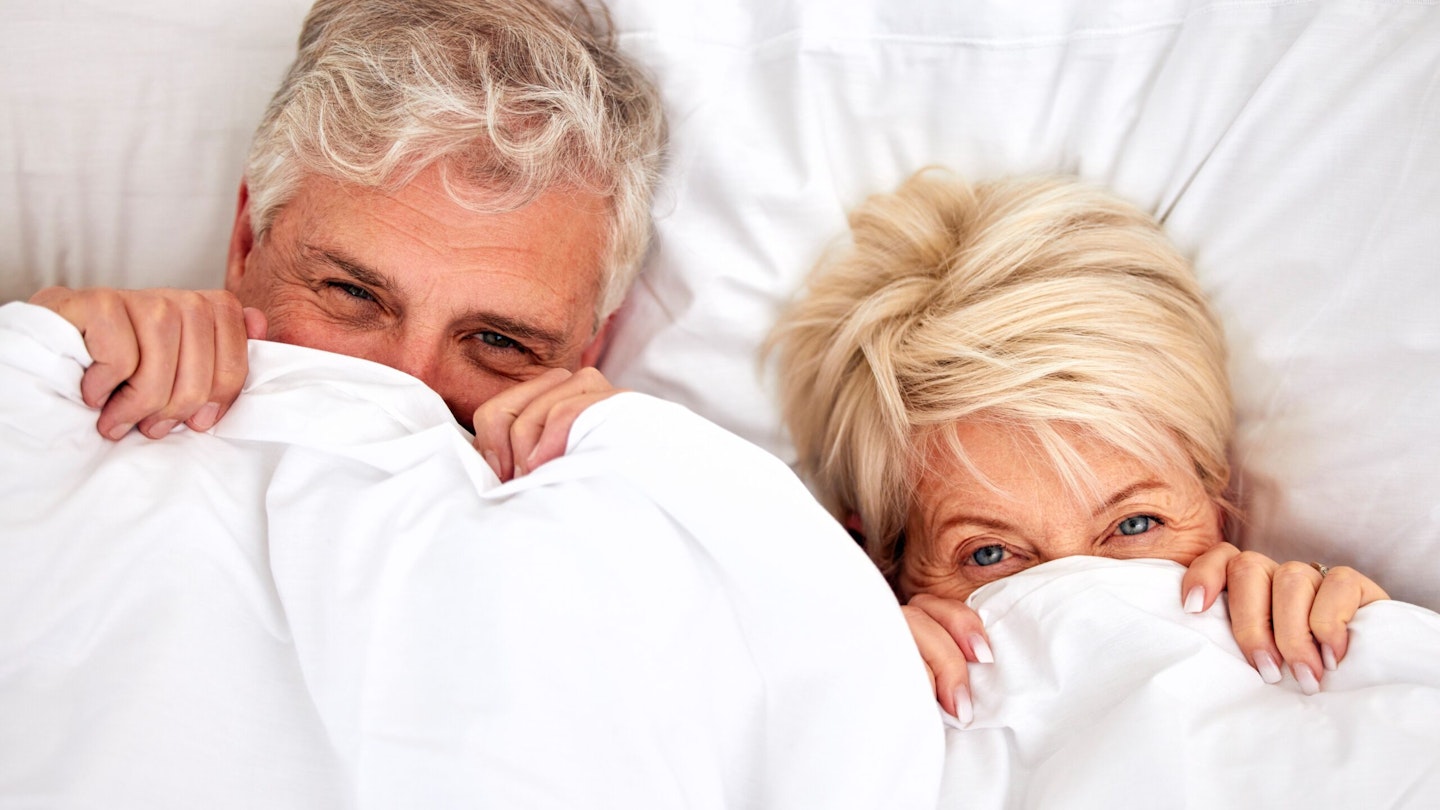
856 527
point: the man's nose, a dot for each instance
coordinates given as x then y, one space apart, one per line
406 356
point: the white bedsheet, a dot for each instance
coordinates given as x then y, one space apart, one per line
329 601
1106 694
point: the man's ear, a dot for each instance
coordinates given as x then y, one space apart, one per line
242 241
595 349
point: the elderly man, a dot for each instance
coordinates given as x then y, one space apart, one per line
325 599
458 190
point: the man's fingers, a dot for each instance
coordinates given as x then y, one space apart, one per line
560 404
1205 578
1248 580
161 356
1295 584
494 419
256 325
555 436
231 355
949 672
194 366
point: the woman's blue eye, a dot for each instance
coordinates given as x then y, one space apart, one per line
989 555
1136 525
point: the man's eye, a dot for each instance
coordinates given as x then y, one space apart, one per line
352 290
988 555
1139 524
498 341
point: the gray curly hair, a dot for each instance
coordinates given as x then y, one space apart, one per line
510 98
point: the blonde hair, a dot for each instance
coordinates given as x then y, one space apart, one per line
1032 302
511 97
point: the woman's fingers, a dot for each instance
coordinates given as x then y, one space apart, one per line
949 672
951 636
1342 592
1295 585
1205 578
1248 581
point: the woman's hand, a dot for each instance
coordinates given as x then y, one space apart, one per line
527 425
162 356
1281 613
950 636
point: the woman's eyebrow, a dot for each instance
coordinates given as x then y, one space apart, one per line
966 519
1129 492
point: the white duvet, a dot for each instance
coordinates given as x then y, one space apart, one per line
1105 694
329 601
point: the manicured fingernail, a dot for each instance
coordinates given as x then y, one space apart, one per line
1306 678
1269 671
520 470
964 709
118 432
1327 654
1195 600
160 429
981 648
205 418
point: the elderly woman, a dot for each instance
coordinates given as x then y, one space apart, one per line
990 377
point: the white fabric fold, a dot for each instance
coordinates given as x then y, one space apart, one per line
329 601
1105 693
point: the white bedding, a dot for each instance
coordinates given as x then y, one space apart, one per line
1105 694
329 601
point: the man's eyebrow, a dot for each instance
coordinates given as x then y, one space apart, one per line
481 321
1129 492
472 321
350 267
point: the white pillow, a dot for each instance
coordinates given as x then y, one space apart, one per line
1289 146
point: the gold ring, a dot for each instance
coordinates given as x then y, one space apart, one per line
1323 569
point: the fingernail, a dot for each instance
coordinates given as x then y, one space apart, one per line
493 461
1327 654
1195 600
520 470
1306 678
964 709
205 418
159 429
118 432
981 649
1269 671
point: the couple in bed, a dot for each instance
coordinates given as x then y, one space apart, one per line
991 378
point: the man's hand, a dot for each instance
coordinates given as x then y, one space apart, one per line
950 636
1286 613
525 426
162 356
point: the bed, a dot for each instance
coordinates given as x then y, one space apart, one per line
1292 149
